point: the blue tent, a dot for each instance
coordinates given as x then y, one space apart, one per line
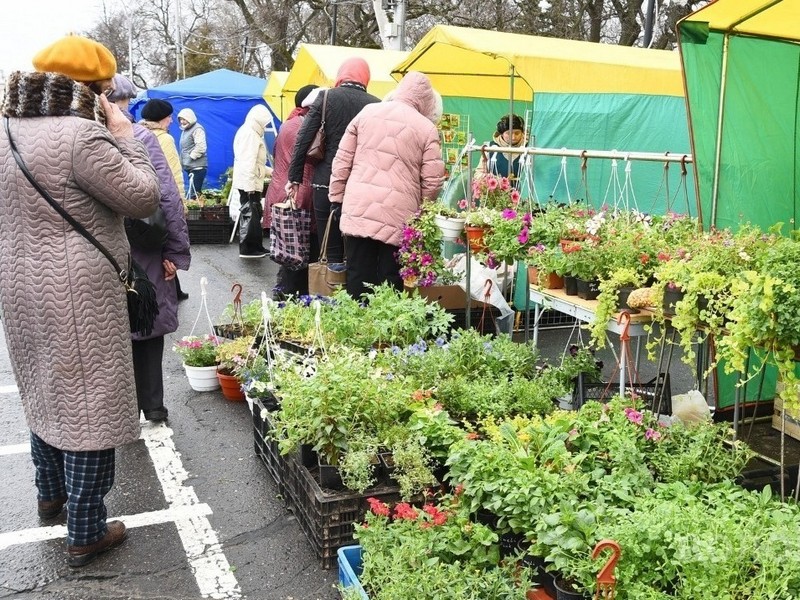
221 100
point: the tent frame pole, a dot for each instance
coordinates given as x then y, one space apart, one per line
720 118
609 154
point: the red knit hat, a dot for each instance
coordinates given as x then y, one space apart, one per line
355 70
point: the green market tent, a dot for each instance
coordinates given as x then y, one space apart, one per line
741 60
577 95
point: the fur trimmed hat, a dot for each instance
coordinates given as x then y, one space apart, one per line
156 109
78 58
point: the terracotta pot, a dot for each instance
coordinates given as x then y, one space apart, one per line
550 281
474 235
231 387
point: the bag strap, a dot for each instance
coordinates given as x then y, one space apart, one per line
123 275
323 254
324 104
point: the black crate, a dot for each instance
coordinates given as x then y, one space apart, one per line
267 449
656 393
210 232
326 517
480 319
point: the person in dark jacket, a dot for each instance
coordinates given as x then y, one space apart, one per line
161 265
344 102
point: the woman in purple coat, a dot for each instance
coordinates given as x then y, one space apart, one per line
161 265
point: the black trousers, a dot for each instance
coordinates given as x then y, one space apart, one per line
322 210
251 236
148 358
370 261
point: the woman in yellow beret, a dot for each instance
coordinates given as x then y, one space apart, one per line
64 308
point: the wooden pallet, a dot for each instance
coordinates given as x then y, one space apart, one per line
792 425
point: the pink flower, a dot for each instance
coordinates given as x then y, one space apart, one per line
522 238
505 184
426 260
634 416
652 434
509 213
492 183
462 204
515 196
405 511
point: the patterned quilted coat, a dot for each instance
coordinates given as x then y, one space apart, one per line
64 308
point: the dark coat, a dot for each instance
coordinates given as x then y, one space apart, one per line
344 103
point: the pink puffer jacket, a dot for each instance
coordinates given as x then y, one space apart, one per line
388 161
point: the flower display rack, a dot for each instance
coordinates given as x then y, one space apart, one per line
326 517
210 232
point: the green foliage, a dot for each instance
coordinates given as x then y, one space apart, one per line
436 552
197 351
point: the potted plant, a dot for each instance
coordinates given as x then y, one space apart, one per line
449 220
610 300
420 253
192 210
232 356
199 354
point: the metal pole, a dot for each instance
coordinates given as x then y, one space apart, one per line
334 15
720 119
400 19
130 46
178 46
648 23
610 154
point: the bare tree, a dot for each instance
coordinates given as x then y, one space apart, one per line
258 36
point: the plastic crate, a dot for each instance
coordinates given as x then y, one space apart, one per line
486 327
267 449
656 393
210 232
350 569
326 517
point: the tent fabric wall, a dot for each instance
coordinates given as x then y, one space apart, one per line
221 100
280 104
319 64
750 119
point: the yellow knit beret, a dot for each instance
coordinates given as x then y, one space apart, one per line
78 58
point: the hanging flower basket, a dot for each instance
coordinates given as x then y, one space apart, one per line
475 235
202 379
231 387
451 227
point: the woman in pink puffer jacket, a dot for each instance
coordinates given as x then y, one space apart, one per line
388 161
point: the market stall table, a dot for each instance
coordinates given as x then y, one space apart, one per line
624 324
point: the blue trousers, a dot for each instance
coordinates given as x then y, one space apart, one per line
84 478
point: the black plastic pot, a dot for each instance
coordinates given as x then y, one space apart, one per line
671 298
570 285
329 476
564 591
588 290
622 299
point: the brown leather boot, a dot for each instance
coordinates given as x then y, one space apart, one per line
79 556
50 509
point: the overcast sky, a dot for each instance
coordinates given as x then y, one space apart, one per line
34 24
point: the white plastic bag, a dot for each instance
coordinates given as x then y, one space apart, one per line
234 205
690 407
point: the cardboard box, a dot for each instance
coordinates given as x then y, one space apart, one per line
448 296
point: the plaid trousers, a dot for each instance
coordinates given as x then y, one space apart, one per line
84 478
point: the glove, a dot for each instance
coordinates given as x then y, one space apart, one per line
336 211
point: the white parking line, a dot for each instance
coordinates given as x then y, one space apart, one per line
209 564
156 517
15 449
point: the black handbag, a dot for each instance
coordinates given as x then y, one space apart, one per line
147 234
142 301
316 151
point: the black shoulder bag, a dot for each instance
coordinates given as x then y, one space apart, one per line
142 301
